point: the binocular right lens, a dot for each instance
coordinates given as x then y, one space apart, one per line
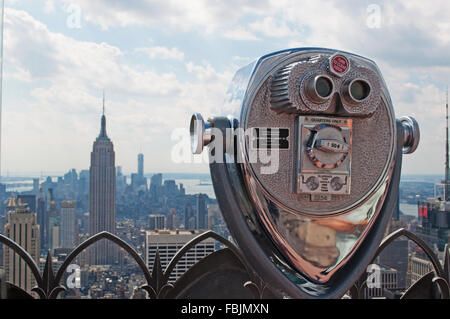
355 91
359 89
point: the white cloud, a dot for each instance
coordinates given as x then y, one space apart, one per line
183 15
240 34
49 6
160 52
59 120
411 47
270 27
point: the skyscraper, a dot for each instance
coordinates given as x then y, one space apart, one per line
102 195
22 228
54 220
155 185
42 219
68 233
156 222
138 181
202 211
36 186
172 220
141 166
190 222
30 200
168 242
434 213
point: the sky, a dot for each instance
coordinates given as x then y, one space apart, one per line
160 61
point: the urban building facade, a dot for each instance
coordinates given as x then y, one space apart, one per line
387 280
168 242
68 229
21 227
42 218
156 222
417 267
202 212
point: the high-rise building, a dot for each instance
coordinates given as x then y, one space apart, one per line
141 166
11 204
2 189
42 219
182 189
102 196
387 281
190 221
156 222
202 211
172 219
418 266
68 228
170 187
168 242
49 197
121 180
135 180
84 181
36 186
30 200
138 181
434 213
53 226
22 228
155 186
395 256
215 218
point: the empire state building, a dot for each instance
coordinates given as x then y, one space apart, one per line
102 196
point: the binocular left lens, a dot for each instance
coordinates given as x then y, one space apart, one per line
320 88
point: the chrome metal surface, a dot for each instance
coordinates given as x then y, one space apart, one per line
412 134
322 210
317 246
200 133
313 93
347 92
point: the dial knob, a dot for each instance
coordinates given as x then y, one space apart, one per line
327 147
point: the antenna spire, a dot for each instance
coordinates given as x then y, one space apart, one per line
103 122
447 164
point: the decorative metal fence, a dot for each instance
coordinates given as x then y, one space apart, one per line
222 274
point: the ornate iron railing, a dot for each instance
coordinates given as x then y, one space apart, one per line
433 285
222 274
158 286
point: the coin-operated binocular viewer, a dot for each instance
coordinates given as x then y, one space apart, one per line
306 168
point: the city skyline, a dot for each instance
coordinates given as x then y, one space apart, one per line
188 66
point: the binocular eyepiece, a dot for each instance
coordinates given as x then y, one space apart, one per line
306 168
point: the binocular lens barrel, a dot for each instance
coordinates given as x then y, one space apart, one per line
324 87
319 88
359 89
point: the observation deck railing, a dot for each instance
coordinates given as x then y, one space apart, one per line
222 274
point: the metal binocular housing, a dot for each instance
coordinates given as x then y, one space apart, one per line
306 166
